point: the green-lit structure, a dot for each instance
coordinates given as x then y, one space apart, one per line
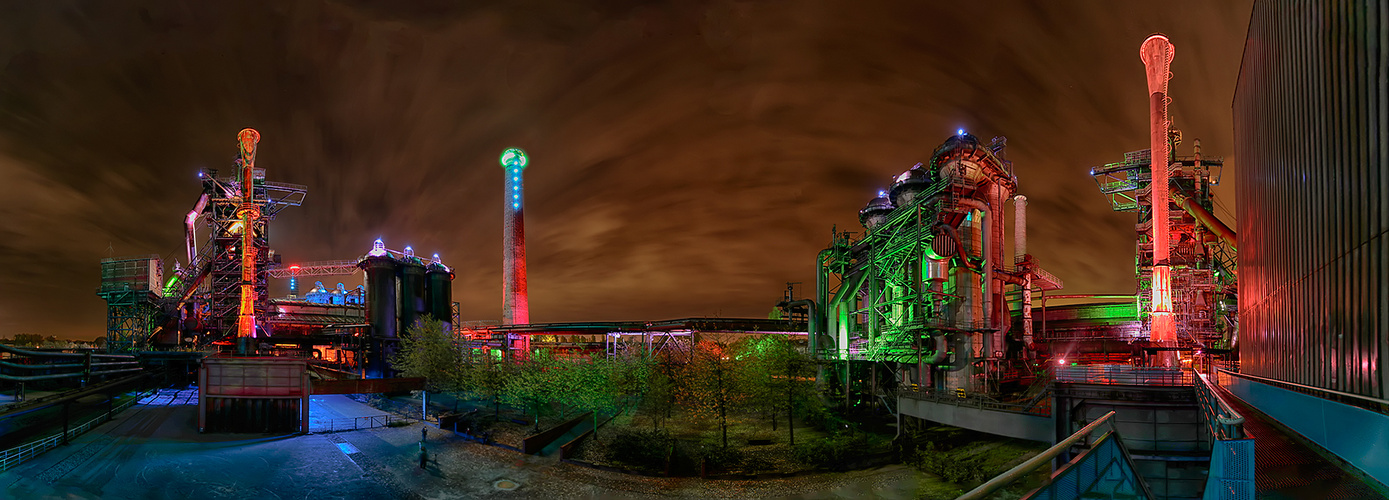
923 296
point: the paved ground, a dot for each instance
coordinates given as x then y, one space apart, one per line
337 412
154 451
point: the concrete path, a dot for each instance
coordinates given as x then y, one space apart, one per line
155 452
335 412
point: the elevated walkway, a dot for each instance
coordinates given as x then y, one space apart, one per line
1032 422
1288 466
1173 436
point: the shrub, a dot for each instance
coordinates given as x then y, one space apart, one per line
826 452
721 457
941 463
639 447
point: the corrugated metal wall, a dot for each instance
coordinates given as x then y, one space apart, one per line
1310 140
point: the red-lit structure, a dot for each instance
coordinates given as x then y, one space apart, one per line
249 213
1185 265
515 302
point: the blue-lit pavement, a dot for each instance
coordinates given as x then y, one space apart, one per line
154 451
1287 468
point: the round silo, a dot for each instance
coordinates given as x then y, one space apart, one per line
440 291
412 291
381 297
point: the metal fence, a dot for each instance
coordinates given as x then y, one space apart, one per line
352 424
1123 375
19 454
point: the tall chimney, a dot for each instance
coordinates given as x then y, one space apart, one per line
249 213
1157 53
515 307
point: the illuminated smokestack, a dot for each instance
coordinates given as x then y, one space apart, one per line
249 213
515 306
1157 53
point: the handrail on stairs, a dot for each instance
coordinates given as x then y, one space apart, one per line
1043 458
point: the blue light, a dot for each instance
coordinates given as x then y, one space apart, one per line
515 205
516 196
960 132
200 175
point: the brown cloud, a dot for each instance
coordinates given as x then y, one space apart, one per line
688 158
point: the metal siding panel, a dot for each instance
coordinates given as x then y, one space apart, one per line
1313 201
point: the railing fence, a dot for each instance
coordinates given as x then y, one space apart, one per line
19 454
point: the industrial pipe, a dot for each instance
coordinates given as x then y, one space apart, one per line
813 326
25 352
30 378
190 231
941 352
1207 219
988 261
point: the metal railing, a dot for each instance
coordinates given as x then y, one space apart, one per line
1073 477
22 453
1222 421
1123 375
1364 402
1039 405
354 423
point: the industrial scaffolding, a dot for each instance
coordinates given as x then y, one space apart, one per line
922 293
130 287
1202 250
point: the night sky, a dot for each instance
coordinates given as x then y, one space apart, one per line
687 159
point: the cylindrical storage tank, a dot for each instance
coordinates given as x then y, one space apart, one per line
412 291
381 296
381 313
440 293
1310 115
908 185
875 213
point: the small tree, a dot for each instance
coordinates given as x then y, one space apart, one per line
713 384
485 377
659 390
426 351
534 384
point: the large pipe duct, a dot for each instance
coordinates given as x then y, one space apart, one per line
249 213
813 327
1207 219
989 262
1157 54
190 231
